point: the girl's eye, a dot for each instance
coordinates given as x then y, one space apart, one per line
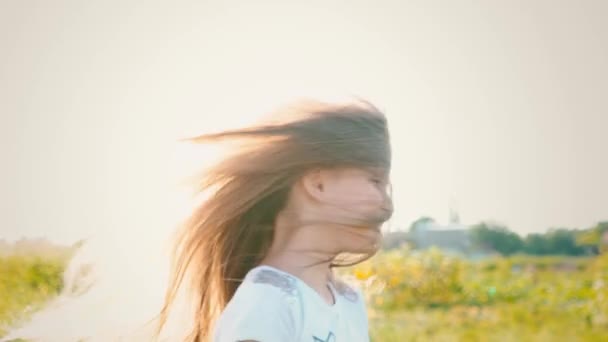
376 181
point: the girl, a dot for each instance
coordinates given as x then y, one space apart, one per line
310 195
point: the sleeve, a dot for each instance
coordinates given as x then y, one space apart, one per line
257 312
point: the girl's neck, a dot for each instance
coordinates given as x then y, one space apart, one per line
316 276
307 268
302 252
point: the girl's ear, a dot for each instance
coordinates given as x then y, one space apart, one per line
312 182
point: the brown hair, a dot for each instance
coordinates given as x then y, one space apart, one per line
230 232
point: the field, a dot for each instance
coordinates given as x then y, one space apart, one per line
26 283
419 296
431 297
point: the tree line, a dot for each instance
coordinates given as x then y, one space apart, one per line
499 238
556 241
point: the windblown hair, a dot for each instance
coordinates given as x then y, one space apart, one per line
231 231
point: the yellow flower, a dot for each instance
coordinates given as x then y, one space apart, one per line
363 274
394 280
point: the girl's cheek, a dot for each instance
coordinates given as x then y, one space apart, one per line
359 191
367 197
377 192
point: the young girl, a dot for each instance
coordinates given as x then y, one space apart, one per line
309 194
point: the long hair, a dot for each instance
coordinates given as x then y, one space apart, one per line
231 231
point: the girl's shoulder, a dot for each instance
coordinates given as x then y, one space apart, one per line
265 289
263 308
273 279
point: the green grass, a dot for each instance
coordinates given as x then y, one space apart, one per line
415 296
431 297
26 283
505 322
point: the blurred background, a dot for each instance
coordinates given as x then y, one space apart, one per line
498 116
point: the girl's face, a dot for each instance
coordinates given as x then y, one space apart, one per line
353 202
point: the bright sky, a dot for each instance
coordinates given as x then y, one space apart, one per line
499 109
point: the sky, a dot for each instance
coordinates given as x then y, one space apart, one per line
497 109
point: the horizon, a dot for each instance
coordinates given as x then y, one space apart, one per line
385 232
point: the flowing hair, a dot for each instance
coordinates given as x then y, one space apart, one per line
230 232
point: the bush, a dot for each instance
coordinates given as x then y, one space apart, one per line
26 282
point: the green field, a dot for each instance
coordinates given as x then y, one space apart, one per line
415 296
26 283
431 297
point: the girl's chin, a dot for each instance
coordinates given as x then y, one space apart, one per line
371 248
373 240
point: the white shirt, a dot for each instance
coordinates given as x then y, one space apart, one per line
271 305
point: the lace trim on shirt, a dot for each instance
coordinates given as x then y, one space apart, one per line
276 279
346 291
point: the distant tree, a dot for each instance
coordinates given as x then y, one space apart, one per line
536 244
563 241
420 222
602 227
496 237
591 239
557 241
